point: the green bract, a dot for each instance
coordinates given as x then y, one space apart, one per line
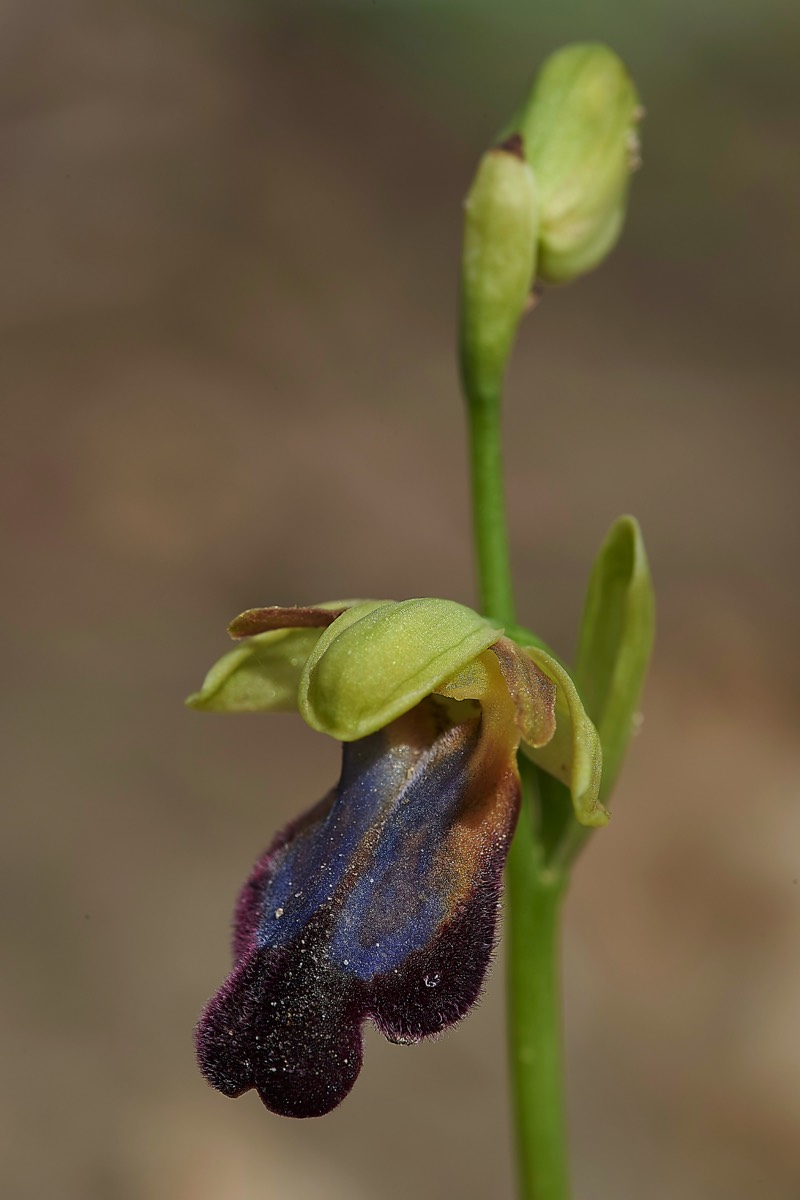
354 669
613 653
579 131
616 640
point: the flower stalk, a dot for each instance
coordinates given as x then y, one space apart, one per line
490 530
533 909
549 202
533 889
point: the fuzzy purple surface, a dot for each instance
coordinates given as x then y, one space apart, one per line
411 844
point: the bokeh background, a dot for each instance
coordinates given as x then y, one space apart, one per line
229 238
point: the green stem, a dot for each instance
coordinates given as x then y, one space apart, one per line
489 508
572 841
533 907
534 890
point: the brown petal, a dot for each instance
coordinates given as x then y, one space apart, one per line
262 620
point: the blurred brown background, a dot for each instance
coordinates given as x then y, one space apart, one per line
229 237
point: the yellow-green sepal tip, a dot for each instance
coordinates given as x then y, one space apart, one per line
260 675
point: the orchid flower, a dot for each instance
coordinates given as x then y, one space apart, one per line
381 901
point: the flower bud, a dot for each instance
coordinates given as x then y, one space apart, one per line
579 131
498 264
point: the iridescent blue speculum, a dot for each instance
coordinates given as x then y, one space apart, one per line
381 902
